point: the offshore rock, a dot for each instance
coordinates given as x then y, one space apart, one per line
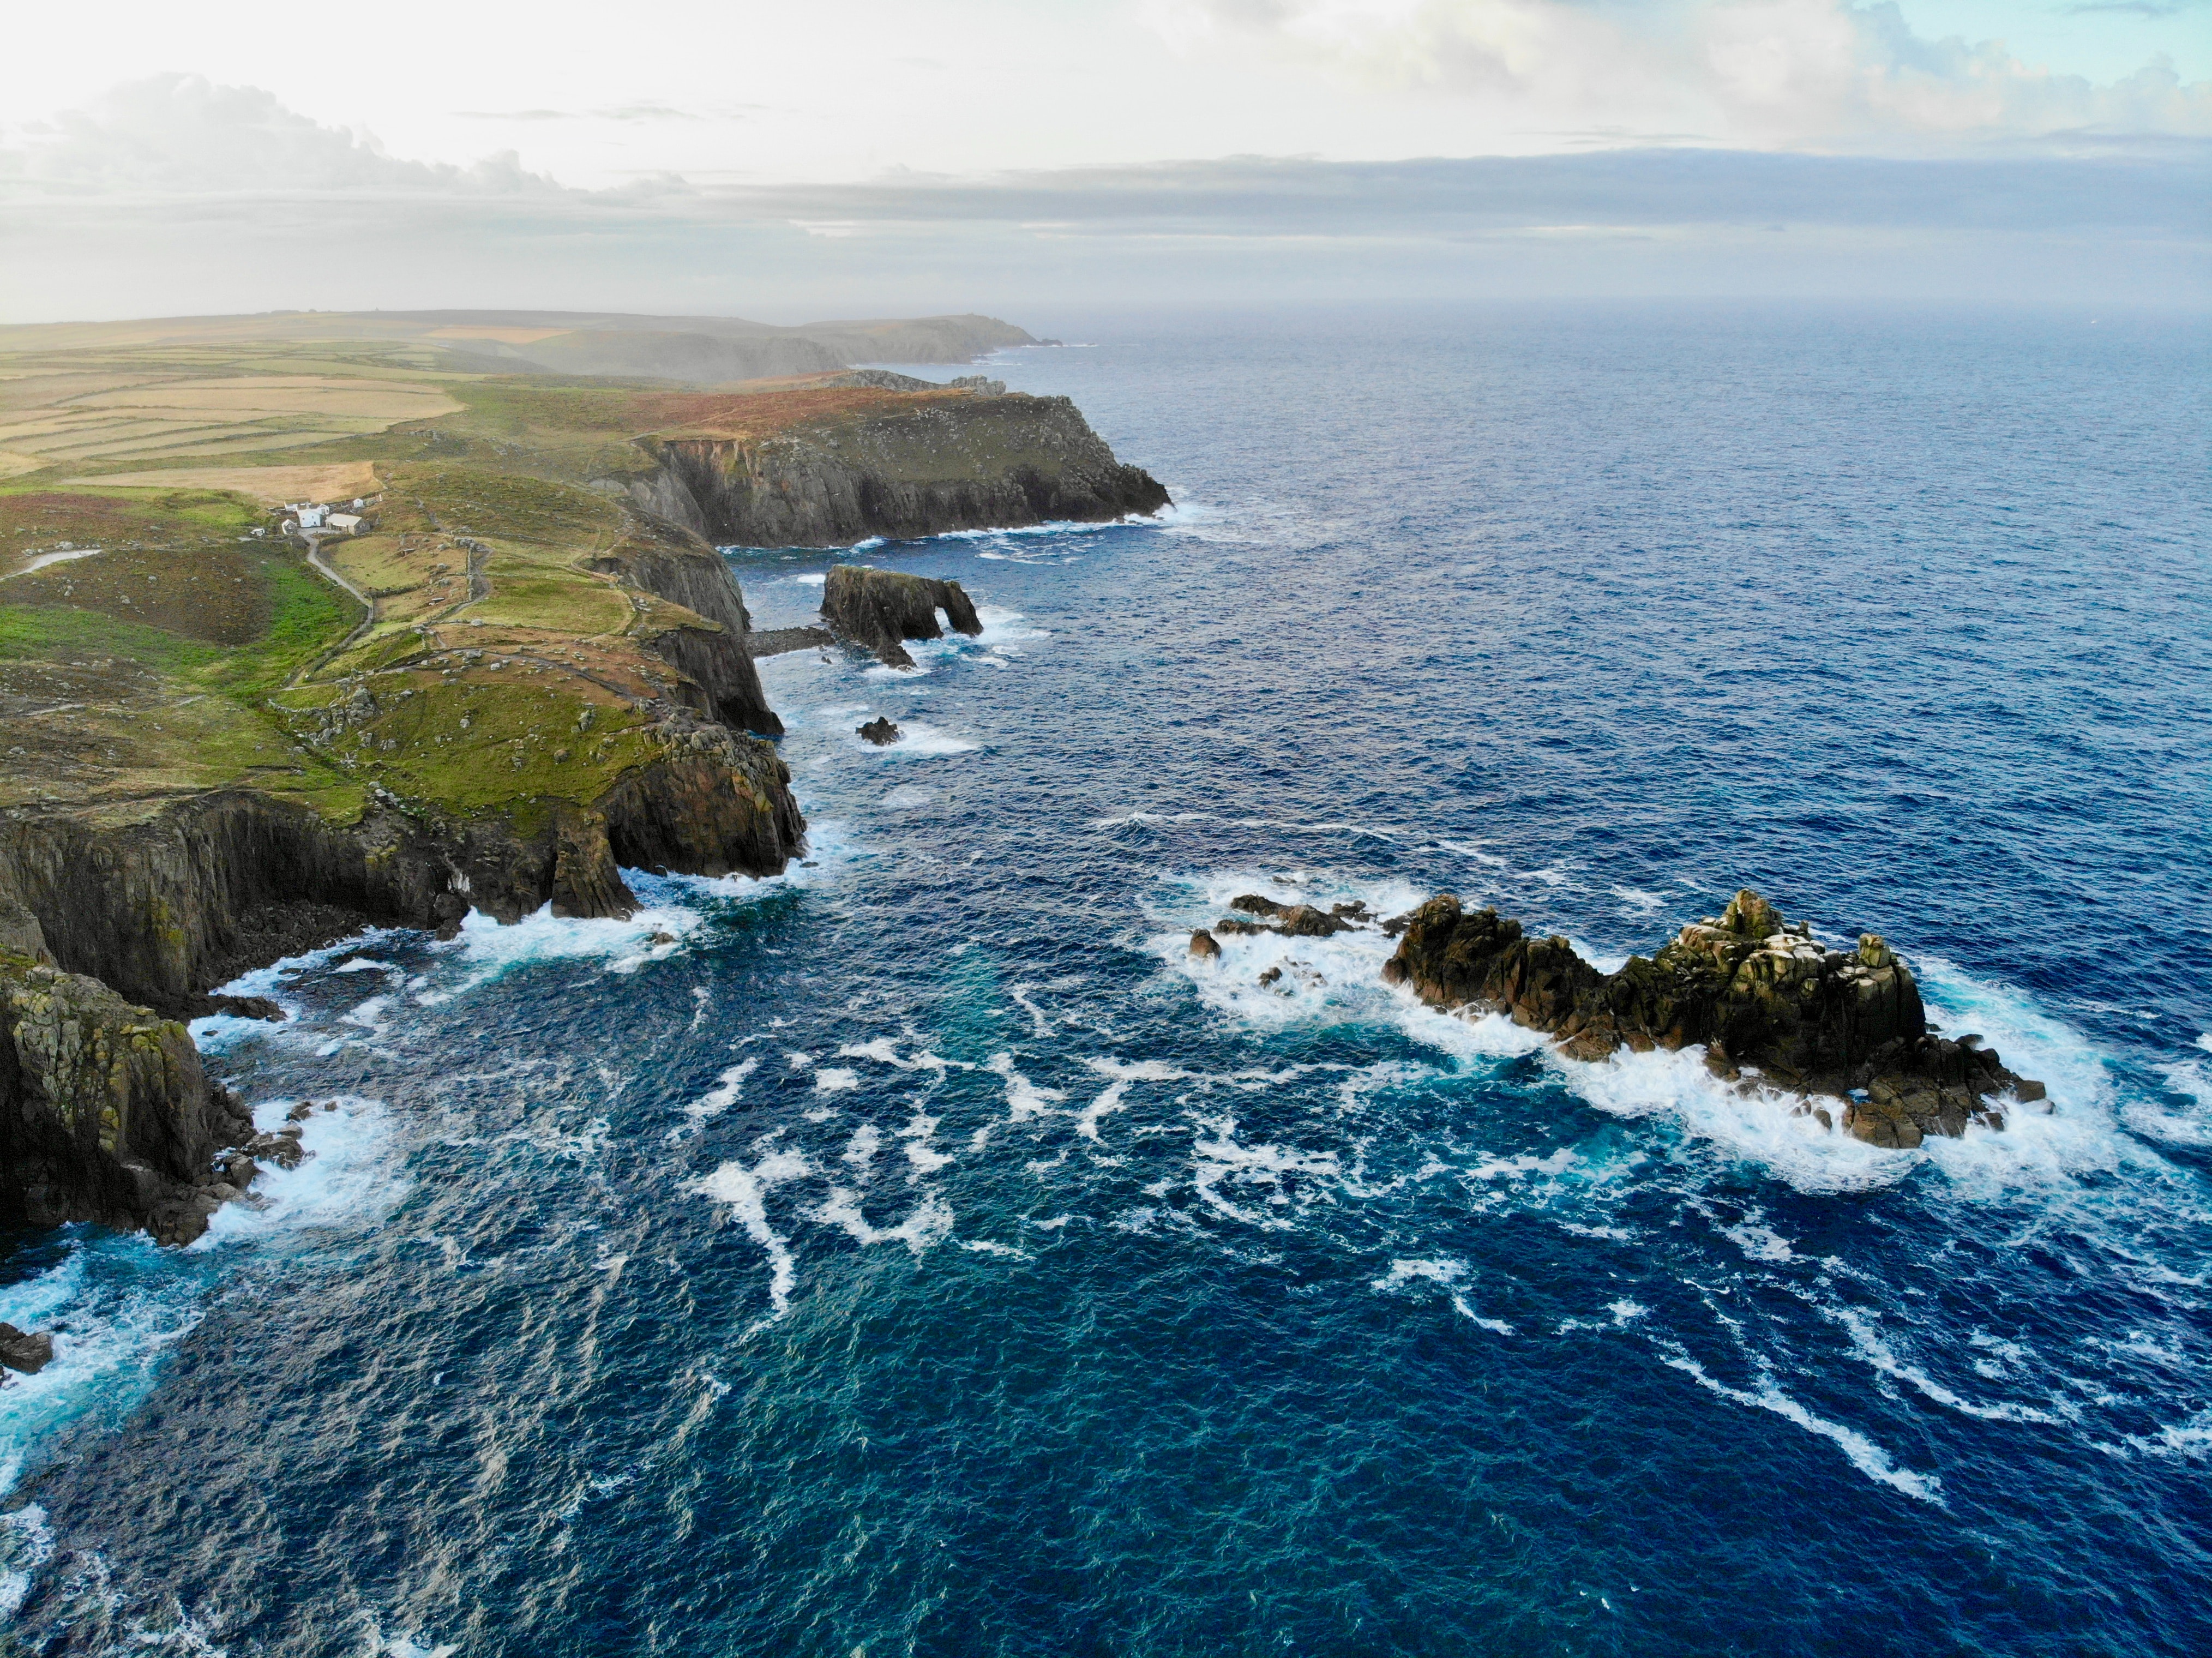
950 461
104 1112
1762 997
879 732
21 1349
1298 921
1204 947
877 609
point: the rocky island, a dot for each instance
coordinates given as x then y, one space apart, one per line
312 622
1769 1005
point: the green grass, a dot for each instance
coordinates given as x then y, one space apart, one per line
38 631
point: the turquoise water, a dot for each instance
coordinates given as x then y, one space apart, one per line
921 1255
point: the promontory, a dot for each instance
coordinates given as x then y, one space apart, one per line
310 621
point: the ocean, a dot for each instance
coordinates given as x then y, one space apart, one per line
920 1252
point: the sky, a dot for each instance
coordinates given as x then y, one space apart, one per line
787 162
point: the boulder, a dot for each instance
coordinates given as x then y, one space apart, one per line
1297 921
879 732
247 1007
24 1351
1204 947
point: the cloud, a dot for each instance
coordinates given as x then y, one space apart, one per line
647 111
178 134
1769 73
177 196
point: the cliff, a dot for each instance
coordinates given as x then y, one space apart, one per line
839 467
104 1112
1766 1001
879 609
526 671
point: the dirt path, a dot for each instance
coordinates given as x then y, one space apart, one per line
323 568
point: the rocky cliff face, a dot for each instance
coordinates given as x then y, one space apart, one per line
104 1112
942 463
1759 994
163 910
660 559
879 609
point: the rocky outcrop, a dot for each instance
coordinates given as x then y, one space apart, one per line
879 731
104 1112
670 562
25 1351
166 909
940 463
1766 1001
776 641
879 609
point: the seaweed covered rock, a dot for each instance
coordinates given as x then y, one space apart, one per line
1762 997
879 609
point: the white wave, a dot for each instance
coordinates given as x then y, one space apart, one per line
1024 1099
1447 1275
1122 1072
744 1193
884 1051
929 1224
349 1179
1219 1159
716 1100
926 1159
487 950
814 578
1052 527
2192 1123
860 1151
1869 1348
916 741
835 1079
1868 1458
1018 995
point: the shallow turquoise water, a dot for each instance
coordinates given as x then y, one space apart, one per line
921 1255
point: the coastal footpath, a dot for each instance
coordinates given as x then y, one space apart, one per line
310 624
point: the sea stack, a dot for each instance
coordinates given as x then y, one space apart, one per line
879 609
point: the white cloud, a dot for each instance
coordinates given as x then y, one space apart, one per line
181 135
1765 73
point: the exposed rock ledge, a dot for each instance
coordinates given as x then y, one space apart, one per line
1769 1004
877 610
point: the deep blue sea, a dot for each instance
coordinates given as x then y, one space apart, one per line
922 1255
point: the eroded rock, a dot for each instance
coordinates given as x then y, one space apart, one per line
880 731
1768 1003
879 609
25 1350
